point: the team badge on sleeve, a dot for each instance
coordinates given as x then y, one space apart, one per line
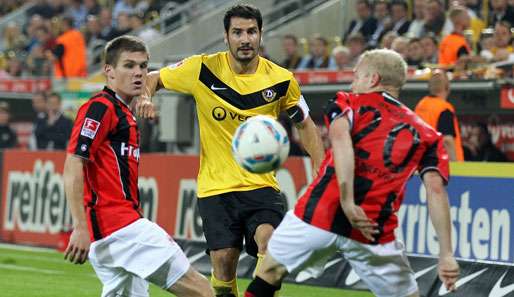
90 128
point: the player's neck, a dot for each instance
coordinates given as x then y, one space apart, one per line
390 90
243 68
120 95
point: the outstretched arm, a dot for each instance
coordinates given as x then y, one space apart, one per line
439 211
78 247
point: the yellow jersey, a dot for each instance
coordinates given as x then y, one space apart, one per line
224 100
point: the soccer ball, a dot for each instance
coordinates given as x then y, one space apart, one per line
260 144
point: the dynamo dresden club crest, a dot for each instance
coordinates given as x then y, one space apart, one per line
268 95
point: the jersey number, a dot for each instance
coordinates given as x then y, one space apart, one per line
392 136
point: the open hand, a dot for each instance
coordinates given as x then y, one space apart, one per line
78 247
360 221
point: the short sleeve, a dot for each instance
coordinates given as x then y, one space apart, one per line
182 76
91 128
292 95
445 123
435 158
338 107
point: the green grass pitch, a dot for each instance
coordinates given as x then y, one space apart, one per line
44 273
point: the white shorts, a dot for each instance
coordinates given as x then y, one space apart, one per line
384 268
129 258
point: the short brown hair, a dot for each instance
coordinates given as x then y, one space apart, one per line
125 43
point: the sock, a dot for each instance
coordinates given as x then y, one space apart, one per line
223 288
260 288
260 258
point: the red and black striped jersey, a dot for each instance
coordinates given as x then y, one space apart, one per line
105 133
390 143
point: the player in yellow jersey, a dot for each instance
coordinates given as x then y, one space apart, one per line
230 87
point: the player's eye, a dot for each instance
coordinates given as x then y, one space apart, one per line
144 65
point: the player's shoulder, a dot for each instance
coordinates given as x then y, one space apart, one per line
272 68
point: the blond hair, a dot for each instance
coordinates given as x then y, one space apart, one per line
388 64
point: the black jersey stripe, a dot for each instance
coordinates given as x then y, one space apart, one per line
234 98
317 193
120 144
97 235
383 216
340 224
95 112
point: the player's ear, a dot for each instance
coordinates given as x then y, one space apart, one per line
108 71
225 38
375 79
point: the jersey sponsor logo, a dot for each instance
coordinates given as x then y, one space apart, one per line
219 114
89 128
268 95
214 88
129 150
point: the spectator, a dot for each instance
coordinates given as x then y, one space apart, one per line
93 31
106 24
416 26
129 7
440 114
36 140
500 11
479 146
14 67
430 49
382 12
415 53
13 39
58 127
476 24
290 47
502 37
44 38
399 21
487 44
137 24
92 7
454 46
318 57
387 40
365 23
123 25
69 55
401 46
37 64
434 17
77 11
46 8
342 57
8 138
357 45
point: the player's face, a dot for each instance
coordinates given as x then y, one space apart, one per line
128 77
363 80
243 39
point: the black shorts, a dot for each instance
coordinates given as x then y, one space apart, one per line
229 217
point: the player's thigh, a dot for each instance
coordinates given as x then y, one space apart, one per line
264 206
140 248
221 223
171 271
118 282
384 268
191 284
296 245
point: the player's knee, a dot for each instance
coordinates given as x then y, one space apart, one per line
262 235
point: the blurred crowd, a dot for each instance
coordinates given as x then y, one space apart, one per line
463 36
61 37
